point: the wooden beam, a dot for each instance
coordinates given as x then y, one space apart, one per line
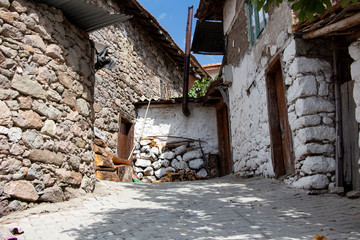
338 26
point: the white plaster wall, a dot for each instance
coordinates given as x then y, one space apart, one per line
168 120
229 13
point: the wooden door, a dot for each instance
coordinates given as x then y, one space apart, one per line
224 139
280 136
125 138
350 133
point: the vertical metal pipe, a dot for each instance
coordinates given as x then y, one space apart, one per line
185 107
338 122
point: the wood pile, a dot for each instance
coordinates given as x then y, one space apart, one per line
108 166
183 175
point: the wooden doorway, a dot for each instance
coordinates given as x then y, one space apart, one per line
224 139
280 137
125 138
350 127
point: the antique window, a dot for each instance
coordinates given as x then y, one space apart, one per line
257 20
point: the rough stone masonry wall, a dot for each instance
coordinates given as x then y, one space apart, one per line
169 141
46 90
311 111
354 51
142 71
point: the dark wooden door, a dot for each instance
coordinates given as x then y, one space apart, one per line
350 133
280 136
224 139
125 138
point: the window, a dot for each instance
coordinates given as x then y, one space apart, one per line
257 20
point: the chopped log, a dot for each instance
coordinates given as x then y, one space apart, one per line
102 161
109 176
124 173
100 142
105 169
120 161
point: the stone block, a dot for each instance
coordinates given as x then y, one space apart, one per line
82 107
167 155
15 134
71 193
202 173
302 87
22 190
33 139
142 163
180 150
196 163
306 65
6 94
54 51
5 114
316 134
192 155
318 164
28 119
35 41
149 171
306 121
355 70
24 85
49 128
52 194
69 177
313 105
354 50
46 156
162 172
314 182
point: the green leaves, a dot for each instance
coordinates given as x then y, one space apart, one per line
200 87
307 8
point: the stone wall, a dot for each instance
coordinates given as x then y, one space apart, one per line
307 74
142 71
46 94
354 51
171 141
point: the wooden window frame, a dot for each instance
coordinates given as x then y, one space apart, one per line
255 31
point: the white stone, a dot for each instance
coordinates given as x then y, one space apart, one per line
179 158
355 70
156 165
192 155
14 134
202 173
82 107
290 52
167 155
4 130
354 50
313 148
49 128
302 87
315 134
154 151
306 121
145 142
143 163
317 181
313 105
5 114
318 164
99 134
180 150
174 163
165 163
33 139
54 51
196 164
306 65
162 172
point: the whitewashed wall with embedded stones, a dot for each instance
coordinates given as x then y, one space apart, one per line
171 141
354 51
46 91
307 74
142 71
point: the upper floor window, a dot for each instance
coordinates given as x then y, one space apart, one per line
257 20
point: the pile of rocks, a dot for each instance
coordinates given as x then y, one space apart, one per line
154 158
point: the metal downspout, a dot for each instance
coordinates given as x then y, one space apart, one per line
185 107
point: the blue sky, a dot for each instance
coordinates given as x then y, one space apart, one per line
172 15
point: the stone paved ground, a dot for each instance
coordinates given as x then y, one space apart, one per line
225 208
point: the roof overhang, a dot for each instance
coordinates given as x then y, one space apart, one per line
84 15
210 10
208 38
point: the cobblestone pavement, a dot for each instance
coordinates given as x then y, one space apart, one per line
224 208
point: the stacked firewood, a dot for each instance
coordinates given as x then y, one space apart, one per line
183 175
108 166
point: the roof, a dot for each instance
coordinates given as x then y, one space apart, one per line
336 22
86 16
149 23
210 10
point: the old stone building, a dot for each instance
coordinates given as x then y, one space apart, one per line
282 91
55 97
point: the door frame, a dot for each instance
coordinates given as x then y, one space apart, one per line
282 153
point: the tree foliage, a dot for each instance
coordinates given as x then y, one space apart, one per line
306 8
200 87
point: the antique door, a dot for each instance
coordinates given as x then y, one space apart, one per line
280 136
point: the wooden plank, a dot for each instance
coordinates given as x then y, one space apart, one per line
346 133
124 173
103 161
109 176
354 137
120 161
